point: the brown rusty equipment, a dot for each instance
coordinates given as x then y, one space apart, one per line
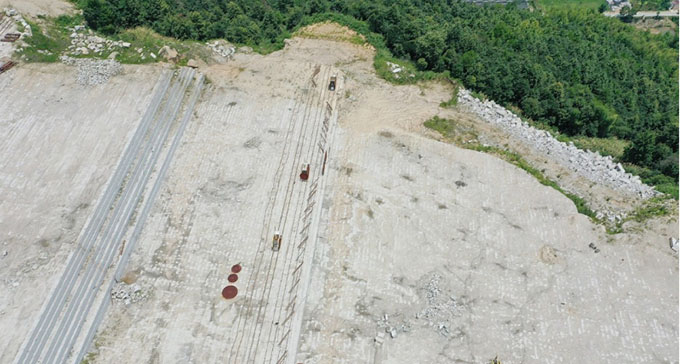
276 242
331 85
11 37
7 66
304 174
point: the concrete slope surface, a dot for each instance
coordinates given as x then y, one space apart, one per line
397 248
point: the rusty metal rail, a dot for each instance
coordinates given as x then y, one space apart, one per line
11 37
5 67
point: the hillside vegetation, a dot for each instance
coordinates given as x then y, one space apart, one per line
574 70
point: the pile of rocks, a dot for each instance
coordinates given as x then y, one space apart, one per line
9 12
84 42
590 165
222 48
128 294
442 307
394 68
93 71
397 69
393 326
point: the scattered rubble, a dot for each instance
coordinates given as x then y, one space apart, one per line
441 310
222 48
442 307
590 165
394 68
84 42
128 293
397 70
93 71
169 54
393 328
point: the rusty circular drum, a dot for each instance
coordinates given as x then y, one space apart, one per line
229 292
232 278
236 268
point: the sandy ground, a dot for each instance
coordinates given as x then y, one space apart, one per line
426 252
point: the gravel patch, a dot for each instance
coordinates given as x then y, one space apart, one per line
93 71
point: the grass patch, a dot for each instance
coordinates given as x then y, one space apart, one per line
447 127
51 38
443 126
518 161
452 131
151 42
605 146
45 45
453 101
66 21
661 182
479 95
654 207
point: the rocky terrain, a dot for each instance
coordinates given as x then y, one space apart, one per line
590 165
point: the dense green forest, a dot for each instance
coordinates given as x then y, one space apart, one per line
576 71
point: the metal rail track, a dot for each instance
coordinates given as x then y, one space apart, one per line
75 316
307 219
95 253
292 124
140 224
314 106
76 260
294 233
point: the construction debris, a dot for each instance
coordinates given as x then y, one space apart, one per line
392 328
92 71
222 48
442 307
83 42
128 293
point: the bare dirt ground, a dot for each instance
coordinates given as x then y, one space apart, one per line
39 7
426 252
